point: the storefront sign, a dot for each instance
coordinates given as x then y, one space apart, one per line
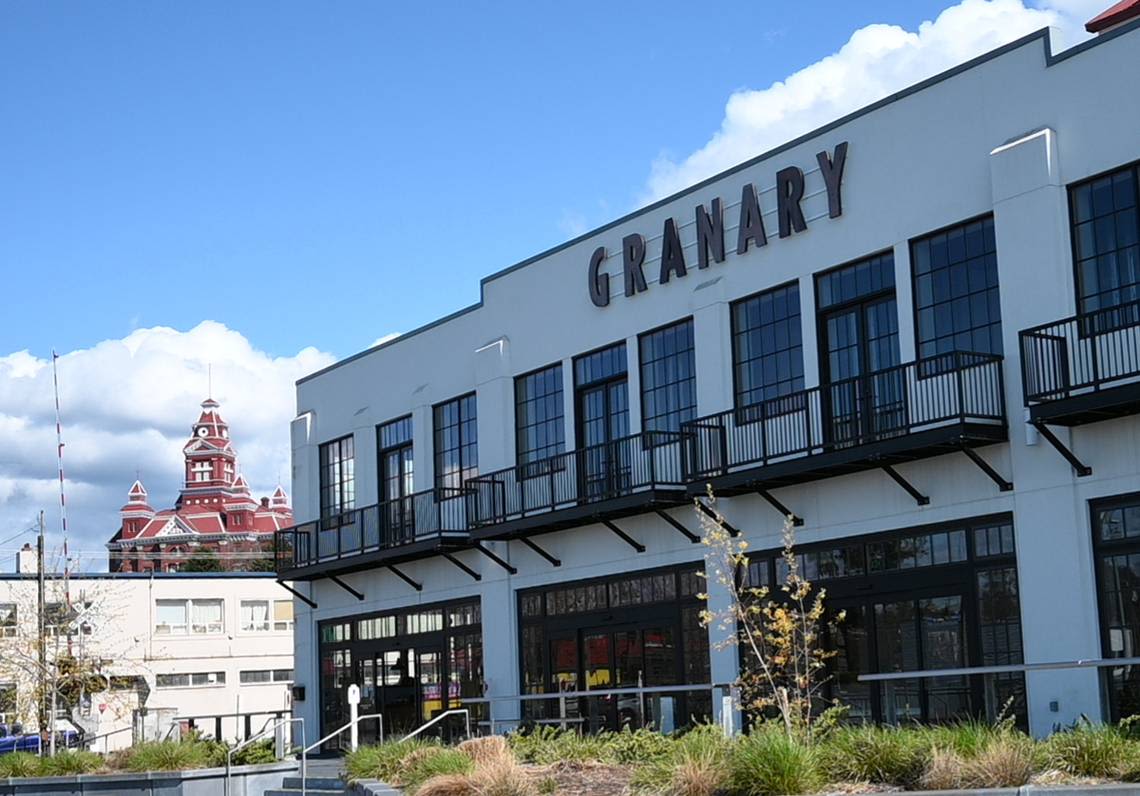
710 229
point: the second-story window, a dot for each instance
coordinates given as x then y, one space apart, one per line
338 486
1106 240
668 377
601 397
456 442
767 347
397 478
956 290
539 431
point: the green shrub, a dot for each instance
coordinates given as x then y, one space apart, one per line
381 761
19 764
263 751
1090 750
881 755
635 746
170 756
769 763
695 764
68 763
429 762
547 745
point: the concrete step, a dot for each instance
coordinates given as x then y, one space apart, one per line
322 783
309 792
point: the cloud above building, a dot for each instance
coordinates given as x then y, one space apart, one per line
128 405
876 61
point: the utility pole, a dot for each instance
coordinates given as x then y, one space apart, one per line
40 607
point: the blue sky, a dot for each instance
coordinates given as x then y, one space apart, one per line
326 173
254 189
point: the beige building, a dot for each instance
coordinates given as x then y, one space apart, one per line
212 650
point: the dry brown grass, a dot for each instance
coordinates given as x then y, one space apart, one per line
448 785
1005 762
489 749
944 771
502 776
700 776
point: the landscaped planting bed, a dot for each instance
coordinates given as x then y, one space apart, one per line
703 762
183 755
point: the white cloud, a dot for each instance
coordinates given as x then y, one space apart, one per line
876 61
127 406
386 338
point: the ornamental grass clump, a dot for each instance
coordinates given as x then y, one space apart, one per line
696 764
879 755
70 763
168 756
1092 750
19 764
381 761
421 765
769 762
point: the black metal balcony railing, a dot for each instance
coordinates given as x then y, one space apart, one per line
1080 355
640 463
943 392
423 516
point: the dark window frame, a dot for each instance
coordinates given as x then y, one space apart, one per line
345 505
1083 329
641 364
746 413
467 469
534 467
941 363
821 311
901 584
1100 549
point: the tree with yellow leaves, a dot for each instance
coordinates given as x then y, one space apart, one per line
782 632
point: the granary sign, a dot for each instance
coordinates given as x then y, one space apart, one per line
710 229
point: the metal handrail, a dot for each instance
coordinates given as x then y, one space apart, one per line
1008 668
265 731
357 720
466 715
86 741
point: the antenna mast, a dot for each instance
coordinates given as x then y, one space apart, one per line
62 499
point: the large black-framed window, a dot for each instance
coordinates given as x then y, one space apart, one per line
337 475
456 441
767 345
539 415
956 302
411 664
668 377
1103 212
1116 542
624 630
940 596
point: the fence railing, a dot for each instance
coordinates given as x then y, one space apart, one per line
637 463
1081 354
391 524
951 388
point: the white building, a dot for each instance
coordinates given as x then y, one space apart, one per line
925 344
212 649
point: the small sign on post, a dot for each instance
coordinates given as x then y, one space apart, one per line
353 710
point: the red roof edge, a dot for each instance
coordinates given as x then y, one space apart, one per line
1110 17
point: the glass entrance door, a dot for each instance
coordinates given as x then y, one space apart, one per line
396 489
369 701
603 413
864 391
396 678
